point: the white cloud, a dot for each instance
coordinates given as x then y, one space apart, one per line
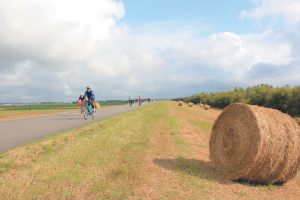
56 29
288 9
50 50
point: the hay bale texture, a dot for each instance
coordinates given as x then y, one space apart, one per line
201 105
255 144
190 104
180 103
297 120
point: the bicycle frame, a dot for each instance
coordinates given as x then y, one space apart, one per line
88 109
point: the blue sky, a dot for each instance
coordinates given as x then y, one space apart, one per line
215 14
152 48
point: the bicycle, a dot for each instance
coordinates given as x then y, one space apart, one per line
80 103
130 102
82 109
88 110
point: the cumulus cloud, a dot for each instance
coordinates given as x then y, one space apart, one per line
288 9
287 14
50 50
48 46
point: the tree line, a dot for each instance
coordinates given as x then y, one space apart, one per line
286 99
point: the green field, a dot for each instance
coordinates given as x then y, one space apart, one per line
156 152
52 106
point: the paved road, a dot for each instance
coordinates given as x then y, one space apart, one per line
22 131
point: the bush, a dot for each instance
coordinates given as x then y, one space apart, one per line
285 99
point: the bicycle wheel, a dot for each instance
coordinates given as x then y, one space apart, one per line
92 112
85 113
81 110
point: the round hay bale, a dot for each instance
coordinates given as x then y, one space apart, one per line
255 144
206 107
201 105
297 120
190 104
180 103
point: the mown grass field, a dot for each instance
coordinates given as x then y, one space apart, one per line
156 152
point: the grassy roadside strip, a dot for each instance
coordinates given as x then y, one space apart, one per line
97 161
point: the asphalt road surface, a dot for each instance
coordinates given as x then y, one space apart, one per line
22 131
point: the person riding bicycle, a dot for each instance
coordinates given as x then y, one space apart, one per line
130 100
80 102
89 94
140 100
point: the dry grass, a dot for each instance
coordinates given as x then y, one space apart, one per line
158 152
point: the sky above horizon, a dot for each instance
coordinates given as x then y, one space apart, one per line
51 50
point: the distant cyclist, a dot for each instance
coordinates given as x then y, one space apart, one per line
89 94
130 100
140 100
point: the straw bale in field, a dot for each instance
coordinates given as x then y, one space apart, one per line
201 105
206 107
297 120
190 104
255 144
180 103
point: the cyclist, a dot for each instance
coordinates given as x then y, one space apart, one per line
140 100
80 102
130 100
89 94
